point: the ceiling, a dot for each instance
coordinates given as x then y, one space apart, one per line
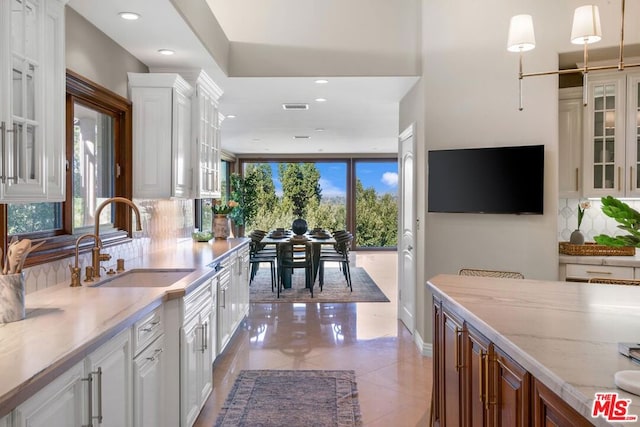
360 114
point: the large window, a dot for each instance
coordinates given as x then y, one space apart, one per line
354 194
98 151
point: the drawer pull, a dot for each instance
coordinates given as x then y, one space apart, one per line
598 272
152 325
156 353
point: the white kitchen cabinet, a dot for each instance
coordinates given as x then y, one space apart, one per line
95 391
111 366
161 135
570 142
32 112
224 311
6 421
206 134
611 155
584 272
149 385
196 370
242 283
62 403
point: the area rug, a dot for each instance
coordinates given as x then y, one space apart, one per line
335 288
270 398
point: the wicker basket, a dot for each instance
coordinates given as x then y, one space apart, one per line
593 249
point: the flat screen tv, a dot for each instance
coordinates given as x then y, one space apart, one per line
500 180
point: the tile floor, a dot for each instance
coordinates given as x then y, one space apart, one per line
394 379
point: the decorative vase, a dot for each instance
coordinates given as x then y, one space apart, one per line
299 226
221 227
577 238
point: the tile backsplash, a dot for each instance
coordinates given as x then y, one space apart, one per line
594 221
163 222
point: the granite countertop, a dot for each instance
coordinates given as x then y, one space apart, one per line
565 334
64 324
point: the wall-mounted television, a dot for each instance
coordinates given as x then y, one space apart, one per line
496 180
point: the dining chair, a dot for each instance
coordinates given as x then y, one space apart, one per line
290 258
341 256
257 257
610 281
490 273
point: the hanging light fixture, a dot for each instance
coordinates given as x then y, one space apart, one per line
585 30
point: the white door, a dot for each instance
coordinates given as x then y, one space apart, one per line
407 224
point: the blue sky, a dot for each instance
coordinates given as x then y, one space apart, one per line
383 176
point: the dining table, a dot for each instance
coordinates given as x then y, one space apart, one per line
317 238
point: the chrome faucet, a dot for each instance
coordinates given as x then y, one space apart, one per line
75 270
96 256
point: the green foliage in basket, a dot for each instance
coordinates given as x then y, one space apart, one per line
627 217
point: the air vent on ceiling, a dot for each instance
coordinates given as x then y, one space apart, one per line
295 106
301 137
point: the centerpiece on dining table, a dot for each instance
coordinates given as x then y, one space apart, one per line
221 223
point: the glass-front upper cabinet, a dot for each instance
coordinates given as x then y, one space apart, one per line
604 149
32 111
633 132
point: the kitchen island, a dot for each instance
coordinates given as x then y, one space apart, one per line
534 351
65 325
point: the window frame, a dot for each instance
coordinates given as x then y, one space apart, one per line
350 184
60 243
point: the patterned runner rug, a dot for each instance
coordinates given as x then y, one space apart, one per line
273 398
335 288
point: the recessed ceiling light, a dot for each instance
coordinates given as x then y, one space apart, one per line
231 116
319 129
129 16
166 52
321 99
322 81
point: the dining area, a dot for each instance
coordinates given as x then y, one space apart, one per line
286 253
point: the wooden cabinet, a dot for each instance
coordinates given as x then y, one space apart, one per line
161 135
509 393
570 142
611 155
196 374
550 410
32 113
476 383
96 391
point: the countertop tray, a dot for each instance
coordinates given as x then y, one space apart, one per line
593 249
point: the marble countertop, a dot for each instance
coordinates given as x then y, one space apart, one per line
621 261
64 324
565 334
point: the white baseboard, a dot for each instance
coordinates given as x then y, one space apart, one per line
426 349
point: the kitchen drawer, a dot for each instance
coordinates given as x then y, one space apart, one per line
147 329
196 300
586 271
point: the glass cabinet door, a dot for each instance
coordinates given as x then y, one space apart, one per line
604 137
633 133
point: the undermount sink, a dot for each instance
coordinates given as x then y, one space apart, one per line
145 278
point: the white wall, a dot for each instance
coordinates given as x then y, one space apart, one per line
271 38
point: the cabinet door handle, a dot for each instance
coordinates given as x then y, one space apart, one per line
15 132
487 399
89 381
456 349
99 373
577 179
481 385
3 143
619 178
598 272
224 298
